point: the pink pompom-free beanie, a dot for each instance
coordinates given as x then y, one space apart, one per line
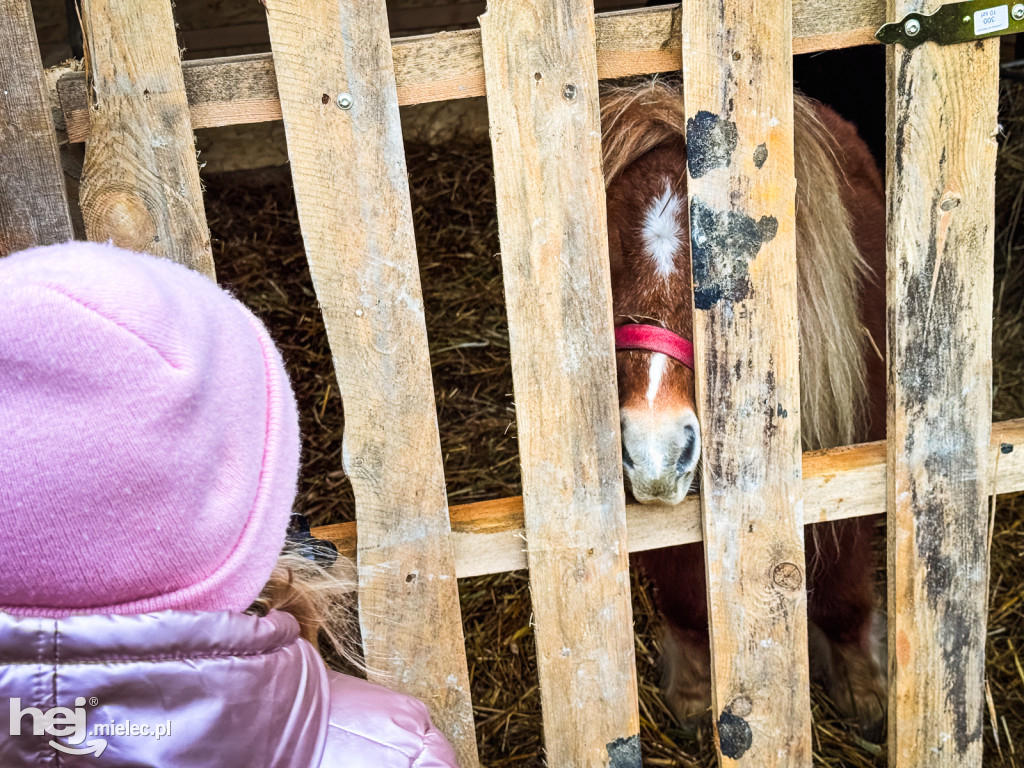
149 441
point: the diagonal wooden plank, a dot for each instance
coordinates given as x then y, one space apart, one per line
33 207
942 127
737 59
542 98
335 75
140 181
449 65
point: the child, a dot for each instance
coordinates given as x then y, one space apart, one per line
149 451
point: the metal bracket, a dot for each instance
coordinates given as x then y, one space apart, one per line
956 23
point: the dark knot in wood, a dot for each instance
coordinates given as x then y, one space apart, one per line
787 576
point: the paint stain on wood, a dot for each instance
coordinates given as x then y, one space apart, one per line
958 642
734 734
931 547
939 543
710 142
760 155
624 752
722 245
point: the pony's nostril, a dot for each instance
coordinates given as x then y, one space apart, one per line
690 452
627 460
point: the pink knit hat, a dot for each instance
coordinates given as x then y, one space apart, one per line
149 440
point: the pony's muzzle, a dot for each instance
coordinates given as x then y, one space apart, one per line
660 452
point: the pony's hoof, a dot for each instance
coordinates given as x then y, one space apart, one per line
695 727
873 731
692 712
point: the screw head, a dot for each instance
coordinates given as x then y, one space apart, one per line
569 91
912 27
345 100
1018 12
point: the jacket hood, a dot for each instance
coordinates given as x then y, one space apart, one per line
174 688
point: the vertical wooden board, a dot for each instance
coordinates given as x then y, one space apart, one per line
737 59
33 208
541 73
140 182
349 170
942 104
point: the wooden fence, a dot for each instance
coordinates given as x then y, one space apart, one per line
337 81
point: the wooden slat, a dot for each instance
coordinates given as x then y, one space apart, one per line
838 483
449 65
140 181
738 96
227 91
439 16
542 100
33 209
942 126
349 172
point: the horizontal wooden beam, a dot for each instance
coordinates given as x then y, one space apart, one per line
451 15
838 483
449 65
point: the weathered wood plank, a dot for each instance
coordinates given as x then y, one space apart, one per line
140 182
227 91
33 208
542 99
434 17
449 65
838 483
738 95
349 171
941 171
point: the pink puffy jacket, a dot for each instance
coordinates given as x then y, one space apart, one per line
190 689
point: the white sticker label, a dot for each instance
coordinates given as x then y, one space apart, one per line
991 20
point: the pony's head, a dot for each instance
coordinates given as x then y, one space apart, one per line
644 146
649 247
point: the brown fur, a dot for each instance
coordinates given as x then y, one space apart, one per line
840 257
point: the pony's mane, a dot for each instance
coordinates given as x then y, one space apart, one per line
639 117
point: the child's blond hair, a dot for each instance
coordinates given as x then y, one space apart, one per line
321 599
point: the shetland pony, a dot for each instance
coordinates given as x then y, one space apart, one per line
840 242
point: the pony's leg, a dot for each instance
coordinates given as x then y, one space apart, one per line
840 609
686 676
677 574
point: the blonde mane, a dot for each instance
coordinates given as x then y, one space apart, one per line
833 392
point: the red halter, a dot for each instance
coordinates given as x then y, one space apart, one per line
653 338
